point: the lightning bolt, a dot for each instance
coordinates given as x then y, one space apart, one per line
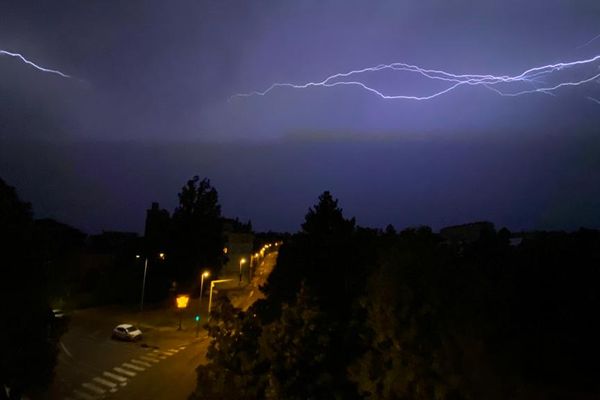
588 42
31 63
536 77
594 100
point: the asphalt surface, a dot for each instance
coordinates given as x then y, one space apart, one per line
162 365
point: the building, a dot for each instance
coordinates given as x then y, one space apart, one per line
466 233
157 229
239 246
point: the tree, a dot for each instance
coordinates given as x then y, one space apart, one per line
297 349
29 339
236 369
322 255
326 219
284 359
197 239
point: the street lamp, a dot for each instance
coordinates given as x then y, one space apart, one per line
182 302
212 285
162 257
242 262
205 274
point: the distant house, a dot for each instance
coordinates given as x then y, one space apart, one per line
157 229
239 246
466 233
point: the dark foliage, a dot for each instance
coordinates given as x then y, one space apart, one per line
28 335
359 313
197 238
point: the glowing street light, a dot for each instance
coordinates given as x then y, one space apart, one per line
205 274
242 262
212 285
182 302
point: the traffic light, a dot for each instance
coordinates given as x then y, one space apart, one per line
197 318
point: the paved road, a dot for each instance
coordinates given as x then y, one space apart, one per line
93 366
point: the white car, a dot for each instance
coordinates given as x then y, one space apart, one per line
126 332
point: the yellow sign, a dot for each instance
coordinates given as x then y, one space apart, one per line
182 301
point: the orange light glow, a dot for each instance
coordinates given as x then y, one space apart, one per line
182 301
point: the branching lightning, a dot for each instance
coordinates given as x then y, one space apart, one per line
536 78
589 42
31 63
593 100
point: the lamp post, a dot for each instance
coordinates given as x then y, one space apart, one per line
212 285
182 302
242 262
205 274
162 257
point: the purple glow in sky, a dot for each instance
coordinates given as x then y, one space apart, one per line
509 133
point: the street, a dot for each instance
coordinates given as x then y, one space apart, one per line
91 365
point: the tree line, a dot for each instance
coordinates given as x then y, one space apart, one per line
358 313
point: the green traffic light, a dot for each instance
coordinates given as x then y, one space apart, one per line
197 318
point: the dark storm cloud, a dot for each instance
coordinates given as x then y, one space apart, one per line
159 73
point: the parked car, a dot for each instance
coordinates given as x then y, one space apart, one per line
126 332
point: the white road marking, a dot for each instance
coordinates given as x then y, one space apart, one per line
67 352
145 364
125 372
134 367
104 382
93 388
83 395
114 376
160 354
151 359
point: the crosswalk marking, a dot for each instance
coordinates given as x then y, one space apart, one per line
163 354
93 388
100 386
145 364
124 371
134 367
83 395
114 376
105 382
157 355
146 358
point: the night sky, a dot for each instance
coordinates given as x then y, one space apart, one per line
148 105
